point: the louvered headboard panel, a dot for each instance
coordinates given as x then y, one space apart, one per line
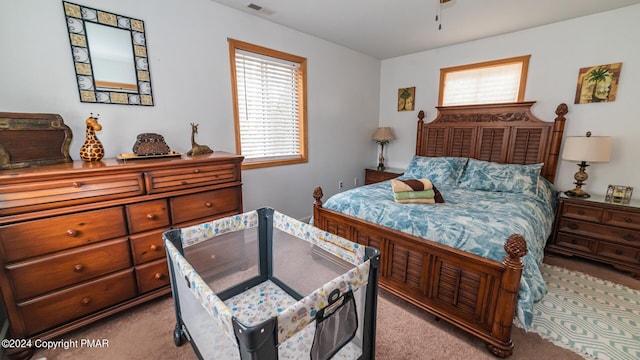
506 133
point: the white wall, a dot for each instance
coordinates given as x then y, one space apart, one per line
189 62
557 51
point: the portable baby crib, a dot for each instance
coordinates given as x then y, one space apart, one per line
238 286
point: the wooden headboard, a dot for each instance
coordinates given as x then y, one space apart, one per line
505 133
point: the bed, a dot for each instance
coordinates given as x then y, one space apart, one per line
474 286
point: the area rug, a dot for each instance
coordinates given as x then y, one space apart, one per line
595 318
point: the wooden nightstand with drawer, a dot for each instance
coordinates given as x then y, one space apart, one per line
598 230
373 175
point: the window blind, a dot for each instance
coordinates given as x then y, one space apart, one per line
268 106
493 84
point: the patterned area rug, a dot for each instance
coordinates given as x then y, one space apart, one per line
593 317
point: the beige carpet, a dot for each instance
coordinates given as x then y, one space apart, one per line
403 331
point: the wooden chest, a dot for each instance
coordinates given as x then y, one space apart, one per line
80 241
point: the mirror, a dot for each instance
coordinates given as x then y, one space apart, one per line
110 56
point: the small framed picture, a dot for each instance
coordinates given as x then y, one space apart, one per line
619 194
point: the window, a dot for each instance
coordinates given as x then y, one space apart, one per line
269 100
489 82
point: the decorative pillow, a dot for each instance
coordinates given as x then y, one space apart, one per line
440 170
490 176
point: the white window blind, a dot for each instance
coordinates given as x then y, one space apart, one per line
496 81
268 91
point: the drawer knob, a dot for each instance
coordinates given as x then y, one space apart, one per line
208 204
78 268
628 220
195 171
573 226
86 300
72 233
158 276
76 184
154 247
213 256
618 252
581 212
151 216
629 237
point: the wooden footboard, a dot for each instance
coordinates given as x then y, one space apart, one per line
475 294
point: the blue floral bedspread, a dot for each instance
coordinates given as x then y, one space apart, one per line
475 221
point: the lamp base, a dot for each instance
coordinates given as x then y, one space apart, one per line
577 192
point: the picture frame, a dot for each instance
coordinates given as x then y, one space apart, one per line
620 194
598 83
406 99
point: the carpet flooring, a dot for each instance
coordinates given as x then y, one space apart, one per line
403 331
589 315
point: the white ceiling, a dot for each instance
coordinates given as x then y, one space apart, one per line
391 28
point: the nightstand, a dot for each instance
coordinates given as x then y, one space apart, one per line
598 230
373 175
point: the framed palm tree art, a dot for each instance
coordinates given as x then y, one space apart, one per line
598 83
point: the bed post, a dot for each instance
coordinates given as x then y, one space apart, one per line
419 136
516 247
317 204
556 141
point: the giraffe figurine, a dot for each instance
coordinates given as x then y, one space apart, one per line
197 149
92 150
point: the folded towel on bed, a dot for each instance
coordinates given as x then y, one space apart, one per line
410 185
430 196
405 195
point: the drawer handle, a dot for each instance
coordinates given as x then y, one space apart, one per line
573 226
154 247
208 204
76 184
151 216
628 220
78 268
581 212
86 300
196 171
213 256
629 237
158 276
618 252
72 233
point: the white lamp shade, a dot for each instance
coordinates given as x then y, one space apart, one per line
587 148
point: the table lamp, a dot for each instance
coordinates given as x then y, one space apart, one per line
382 136
585 149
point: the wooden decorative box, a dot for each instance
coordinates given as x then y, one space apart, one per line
33 139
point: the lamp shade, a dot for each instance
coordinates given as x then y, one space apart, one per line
587 148
383 134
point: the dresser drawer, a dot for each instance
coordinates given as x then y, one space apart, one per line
51 194
148 246
63 306
581 212
147 215
619 252
577 243
374 176
622 218
34 277
610 233
206 204
152 276
38 237
190 177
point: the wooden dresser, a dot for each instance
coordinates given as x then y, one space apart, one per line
598 230
80 241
